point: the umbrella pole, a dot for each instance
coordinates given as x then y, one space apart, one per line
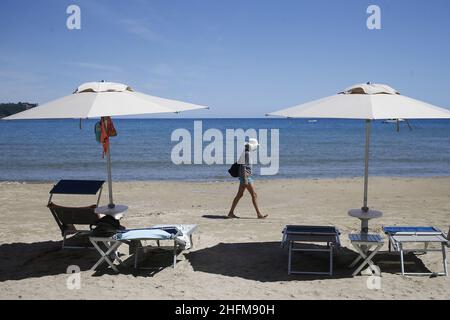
366 170
108 166
108 169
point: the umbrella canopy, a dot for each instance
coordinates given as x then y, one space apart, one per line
104 99
369 102
366 101
100 99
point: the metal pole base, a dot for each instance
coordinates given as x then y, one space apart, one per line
364 226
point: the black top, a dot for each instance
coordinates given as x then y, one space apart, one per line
245 167
77 187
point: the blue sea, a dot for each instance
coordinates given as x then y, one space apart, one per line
49 150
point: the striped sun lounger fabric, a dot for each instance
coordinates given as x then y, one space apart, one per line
409 229
359 237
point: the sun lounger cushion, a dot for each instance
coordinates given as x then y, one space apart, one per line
186 231
145 234
409 229
181 233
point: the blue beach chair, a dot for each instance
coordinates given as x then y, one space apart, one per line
401 235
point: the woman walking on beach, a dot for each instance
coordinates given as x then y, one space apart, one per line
246 180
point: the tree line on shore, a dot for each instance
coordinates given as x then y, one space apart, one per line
7 109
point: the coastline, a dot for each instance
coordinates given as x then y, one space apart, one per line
231 259
231 180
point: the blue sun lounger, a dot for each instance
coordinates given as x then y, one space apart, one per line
401 235
293 234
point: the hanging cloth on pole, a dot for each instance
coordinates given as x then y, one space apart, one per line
107 130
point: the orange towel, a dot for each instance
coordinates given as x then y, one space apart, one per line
108 130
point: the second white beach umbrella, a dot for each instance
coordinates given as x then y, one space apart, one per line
367 102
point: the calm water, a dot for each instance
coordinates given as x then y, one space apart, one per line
56 149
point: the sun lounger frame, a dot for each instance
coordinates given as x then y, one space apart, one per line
87 216
306 234
110 255
434 235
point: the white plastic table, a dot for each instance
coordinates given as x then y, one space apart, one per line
365 217
117 212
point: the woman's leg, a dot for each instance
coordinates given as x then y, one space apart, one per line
238 197
254 200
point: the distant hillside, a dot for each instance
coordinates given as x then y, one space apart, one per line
7 109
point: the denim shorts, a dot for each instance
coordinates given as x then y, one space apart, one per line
249 180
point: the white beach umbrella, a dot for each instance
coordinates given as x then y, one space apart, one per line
104 99
368 102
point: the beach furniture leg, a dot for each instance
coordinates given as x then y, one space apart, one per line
331 260
355 261
102 255
290 257
363 255
401 259
136 254
105 256
112 250
174 253
368 258
64 240
444 258
370 262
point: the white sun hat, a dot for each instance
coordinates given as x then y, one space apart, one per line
253 144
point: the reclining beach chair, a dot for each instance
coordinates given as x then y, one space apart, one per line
180 235
293 234
401 235
69 218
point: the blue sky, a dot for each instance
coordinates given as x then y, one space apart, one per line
242 58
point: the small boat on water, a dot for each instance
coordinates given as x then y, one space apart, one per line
393 120
312 121
397 123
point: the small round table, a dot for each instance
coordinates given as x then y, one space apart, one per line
364 217
117 212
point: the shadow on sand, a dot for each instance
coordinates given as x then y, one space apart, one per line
215 216
30 260
224 217
39 259
260 261
267 262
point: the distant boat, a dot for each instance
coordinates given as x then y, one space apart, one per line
393 120
312 121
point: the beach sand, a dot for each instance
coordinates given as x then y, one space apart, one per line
231 259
